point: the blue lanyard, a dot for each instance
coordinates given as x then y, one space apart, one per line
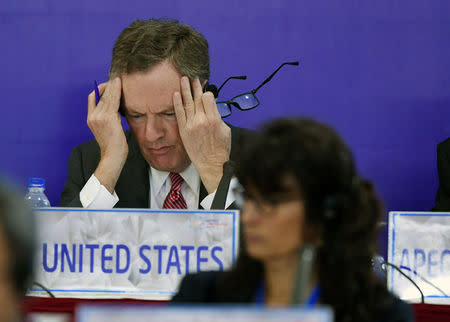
314 297
311 301
260 295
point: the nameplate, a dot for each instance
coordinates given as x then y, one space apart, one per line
419 244
223 313
129 253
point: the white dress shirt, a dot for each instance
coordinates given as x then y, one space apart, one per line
95 196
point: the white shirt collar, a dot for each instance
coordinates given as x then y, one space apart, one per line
189 175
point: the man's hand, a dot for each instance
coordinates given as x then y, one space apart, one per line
206 138
105 123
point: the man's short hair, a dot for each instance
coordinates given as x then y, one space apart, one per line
146 43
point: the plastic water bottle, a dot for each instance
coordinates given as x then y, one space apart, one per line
36 197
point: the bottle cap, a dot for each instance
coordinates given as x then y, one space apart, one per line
36 182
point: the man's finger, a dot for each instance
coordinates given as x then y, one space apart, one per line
112 93
187 97
101 88
91 102
198 92
179 110
110 97
209 104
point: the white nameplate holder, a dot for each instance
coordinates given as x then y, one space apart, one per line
222 313
419 244
129 253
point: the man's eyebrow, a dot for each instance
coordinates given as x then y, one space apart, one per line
130 110
163 110
166 109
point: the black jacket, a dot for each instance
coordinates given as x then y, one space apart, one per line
133 185
443 166
201 288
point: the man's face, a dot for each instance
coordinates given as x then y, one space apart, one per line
151 116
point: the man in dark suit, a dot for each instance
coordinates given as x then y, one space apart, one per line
443 165
173 156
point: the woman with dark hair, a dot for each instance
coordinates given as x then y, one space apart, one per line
300 188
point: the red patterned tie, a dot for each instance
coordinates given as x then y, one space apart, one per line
174 199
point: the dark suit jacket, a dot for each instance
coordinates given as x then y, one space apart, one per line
443 165
133 185
201 288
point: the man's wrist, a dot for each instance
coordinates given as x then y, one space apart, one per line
211 177
108 172
115 156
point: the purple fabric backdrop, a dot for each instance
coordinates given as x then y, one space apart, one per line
377 71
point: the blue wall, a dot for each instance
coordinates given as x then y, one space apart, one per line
377 71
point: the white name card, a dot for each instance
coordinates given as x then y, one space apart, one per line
129 253
419 244
223 313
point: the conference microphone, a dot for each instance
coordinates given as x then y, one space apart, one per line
424 279
220 198
381 224
306 257
422 298
44 288
379 265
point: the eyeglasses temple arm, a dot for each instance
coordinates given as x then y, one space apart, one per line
295 63
232 77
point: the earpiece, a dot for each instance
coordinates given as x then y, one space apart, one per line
329 207
211 88
333 203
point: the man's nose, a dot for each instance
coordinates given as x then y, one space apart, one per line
154 129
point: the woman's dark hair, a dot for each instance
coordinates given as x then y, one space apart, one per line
337 202
17 227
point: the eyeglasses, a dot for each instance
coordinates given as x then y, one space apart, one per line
265 206
245 101
241 197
